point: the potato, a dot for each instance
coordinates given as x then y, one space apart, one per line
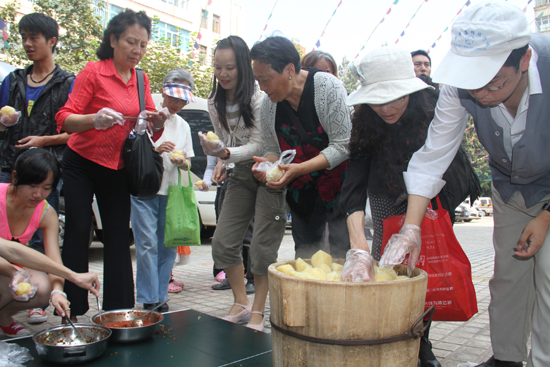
317 273
198 183
303 275
334 276
23 288
211 136
383 277
274 174
7 111
287 268
321 257
301 265
324 267
336 267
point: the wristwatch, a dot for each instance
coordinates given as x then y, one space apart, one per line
546 207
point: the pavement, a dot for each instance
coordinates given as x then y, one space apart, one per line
453 342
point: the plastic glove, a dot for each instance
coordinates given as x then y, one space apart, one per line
12 355
204 186
408 240
211 147
272 171
20 286
9 118
106 117
359 266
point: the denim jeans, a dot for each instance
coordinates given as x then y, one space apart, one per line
154 262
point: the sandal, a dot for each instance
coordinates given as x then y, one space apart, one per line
241 315
257 327
172 288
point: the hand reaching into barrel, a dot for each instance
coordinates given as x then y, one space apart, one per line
408 240
359 266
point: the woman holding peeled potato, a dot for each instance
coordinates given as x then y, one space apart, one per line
154 262
234 109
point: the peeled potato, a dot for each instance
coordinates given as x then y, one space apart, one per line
337 267
321 257
198 183
317 273
211 136
7 111
23 288
301 265
333 277
287 268
274 174
324 267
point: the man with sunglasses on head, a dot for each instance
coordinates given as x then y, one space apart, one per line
500 74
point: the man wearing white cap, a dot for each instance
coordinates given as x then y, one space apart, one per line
499 74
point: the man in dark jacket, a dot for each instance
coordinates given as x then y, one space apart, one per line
37 92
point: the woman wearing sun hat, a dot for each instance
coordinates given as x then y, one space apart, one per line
154 262
393 109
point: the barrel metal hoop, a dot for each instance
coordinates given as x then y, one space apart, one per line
416 331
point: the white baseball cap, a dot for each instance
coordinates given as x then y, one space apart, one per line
482 38
385 74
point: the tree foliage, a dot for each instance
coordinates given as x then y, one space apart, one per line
478 156
80 35
344 74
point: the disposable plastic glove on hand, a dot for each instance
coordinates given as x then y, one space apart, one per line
211 147
106 117
20 286
359 267
407 241
9 116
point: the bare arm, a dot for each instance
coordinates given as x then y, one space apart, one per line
356 229
43 141
77 123
416 209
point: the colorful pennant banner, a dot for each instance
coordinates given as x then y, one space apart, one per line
196 46
410 20
446 28
318 43
267 21
371 33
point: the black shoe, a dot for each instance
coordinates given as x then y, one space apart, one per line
425 355
150 306
492 362
249 288
163 308
222 286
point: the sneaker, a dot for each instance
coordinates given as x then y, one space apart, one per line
37 316
14 330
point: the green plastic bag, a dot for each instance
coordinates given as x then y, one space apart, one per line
182 226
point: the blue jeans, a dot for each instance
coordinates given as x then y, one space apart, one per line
154 262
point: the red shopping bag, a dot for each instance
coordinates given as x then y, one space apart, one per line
450 287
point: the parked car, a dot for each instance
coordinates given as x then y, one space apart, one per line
485 205
465 213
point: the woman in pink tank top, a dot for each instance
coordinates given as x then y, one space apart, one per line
23 209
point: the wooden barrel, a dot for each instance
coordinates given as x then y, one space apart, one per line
321 323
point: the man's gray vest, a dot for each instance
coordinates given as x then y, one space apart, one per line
529 172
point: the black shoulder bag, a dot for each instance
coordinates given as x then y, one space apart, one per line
144 166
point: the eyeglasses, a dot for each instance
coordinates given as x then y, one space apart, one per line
493 88
393 103
178 101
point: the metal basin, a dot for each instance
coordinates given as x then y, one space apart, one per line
129 334
60 345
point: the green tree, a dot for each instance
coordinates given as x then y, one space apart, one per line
79 35
344 74
478 156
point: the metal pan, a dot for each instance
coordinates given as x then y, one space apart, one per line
129 334
61 345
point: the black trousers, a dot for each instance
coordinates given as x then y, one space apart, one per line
82 179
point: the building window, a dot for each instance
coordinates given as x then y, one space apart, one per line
216 24
106 12
176 38
542 2
543 23
177 3
204 15
202 54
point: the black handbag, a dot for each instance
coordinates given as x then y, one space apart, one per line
144 167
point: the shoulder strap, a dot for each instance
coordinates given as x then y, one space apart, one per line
141 89
301 131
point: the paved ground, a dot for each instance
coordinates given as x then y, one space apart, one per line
453 342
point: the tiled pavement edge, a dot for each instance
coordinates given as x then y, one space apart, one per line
453 342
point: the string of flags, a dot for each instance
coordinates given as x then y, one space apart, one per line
267 21
4 34
446 28
410 20
541 13
371 33
318 43
199 35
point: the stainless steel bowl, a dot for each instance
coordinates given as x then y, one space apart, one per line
61 345
129 334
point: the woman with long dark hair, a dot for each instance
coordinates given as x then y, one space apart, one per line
234 108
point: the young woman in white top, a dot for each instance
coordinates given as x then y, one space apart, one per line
234 108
